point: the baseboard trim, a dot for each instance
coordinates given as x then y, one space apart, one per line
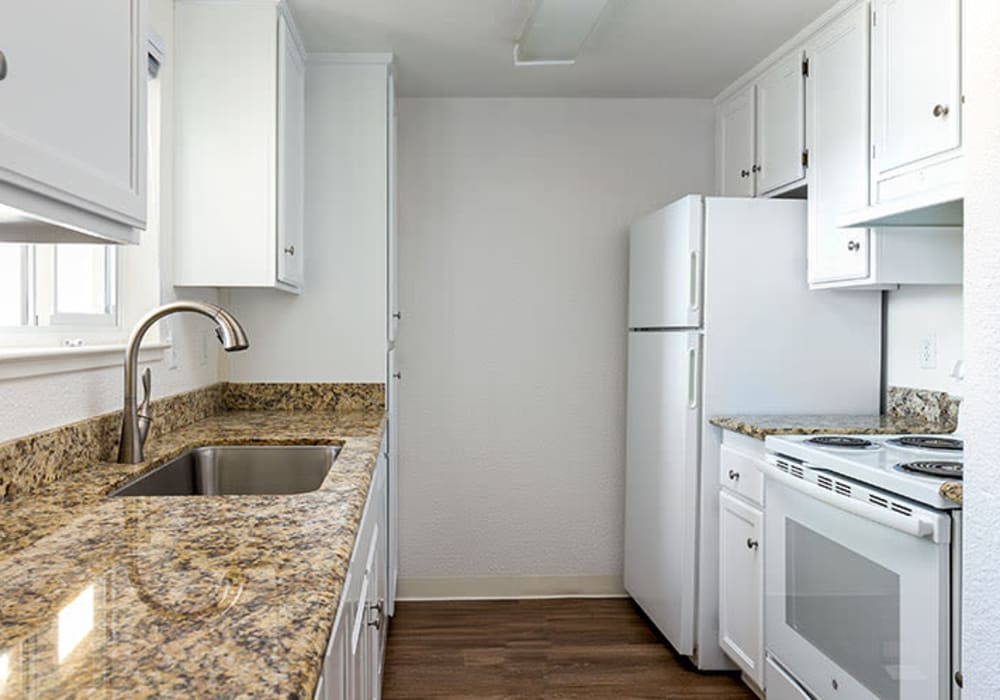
510 587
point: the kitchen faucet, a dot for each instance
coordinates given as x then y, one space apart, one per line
135 426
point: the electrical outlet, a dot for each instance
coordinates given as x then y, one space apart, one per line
928 352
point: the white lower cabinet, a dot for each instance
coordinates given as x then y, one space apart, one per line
352 669
741 556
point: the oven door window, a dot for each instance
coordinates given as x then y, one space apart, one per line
846 606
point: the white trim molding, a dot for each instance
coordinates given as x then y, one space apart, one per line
18 363
510 587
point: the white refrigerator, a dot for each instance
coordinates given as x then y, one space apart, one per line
721 321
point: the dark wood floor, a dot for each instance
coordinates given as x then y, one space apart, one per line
586 648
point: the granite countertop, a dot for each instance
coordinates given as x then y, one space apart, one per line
761 426
203 596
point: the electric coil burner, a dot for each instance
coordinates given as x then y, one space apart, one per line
950 470
925 442
851 443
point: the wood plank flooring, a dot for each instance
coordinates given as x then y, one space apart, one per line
576 648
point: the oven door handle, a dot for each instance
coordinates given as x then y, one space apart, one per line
913 524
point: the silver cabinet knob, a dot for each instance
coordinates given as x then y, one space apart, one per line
734 475
756 169
941 110
752 543
744 173
853 246
397 375
3 65
290 250
397 315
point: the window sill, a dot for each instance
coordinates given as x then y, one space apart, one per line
18 363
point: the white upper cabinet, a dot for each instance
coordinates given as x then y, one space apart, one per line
781 140
291 156
736 144
761 133
916 90
837 115
240 106
73 115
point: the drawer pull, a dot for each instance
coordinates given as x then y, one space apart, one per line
752 543
941 111
734 475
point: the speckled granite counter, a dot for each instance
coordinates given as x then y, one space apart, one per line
204 596
761 426
952 491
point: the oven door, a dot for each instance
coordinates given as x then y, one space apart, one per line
857 602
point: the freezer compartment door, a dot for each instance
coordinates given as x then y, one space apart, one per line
662 469
665 267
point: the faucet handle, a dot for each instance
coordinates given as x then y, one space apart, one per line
143 415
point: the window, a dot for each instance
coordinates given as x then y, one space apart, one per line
70 284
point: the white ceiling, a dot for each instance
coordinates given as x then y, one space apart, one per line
641 48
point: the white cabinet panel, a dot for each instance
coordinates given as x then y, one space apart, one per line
291 156
741 589
837 113
73 112
916 80
239 146
736 144
781 125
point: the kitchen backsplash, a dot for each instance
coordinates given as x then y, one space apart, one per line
932 406
32 461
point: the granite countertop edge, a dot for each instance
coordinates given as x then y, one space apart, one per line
72 527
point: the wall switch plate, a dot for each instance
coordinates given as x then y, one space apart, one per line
928 352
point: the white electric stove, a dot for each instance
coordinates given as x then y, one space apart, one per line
863 565
912 466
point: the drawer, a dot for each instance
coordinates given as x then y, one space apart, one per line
741 474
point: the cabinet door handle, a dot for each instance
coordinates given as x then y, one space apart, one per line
853 246
752 543
756 169
940 110
397 315
397 375
734 475
290 250
378 608
3 65
744 173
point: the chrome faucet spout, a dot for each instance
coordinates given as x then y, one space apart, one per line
227 328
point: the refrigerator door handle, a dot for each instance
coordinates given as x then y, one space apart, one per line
694 280
692 378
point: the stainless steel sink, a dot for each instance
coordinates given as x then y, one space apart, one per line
244 470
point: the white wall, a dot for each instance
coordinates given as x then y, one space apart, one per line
915 313
37 403
981 411
335 330
513 216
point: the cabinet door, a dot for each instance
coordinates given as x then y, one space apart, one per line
392 248
736 143
391 452
291 157
73 104
916 85
837 114
781 125
741 589
335 664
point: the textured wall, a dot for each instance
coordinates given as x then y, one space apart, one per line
335 330
914 313
981 419
513 216
38 403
